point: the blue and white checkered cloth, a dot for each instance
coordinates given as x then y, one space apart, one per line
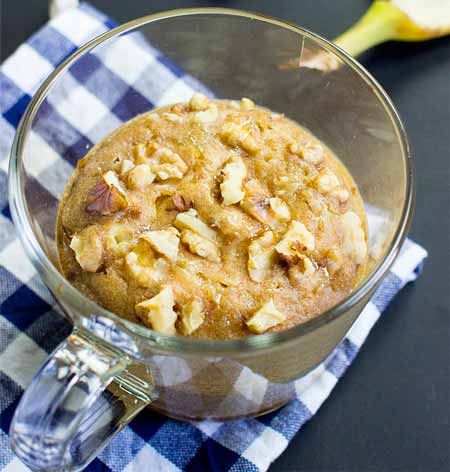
30 326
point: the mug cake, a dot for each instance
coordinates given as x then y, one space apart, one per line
213 219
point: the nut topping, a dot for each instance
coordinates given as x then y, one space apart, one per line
169 164
236 135
192 316
280 209
198 102
180 203
164 241
353 240
207 116
119 239
125 166
326 182
107 196
261 252
140 177
144 268
265 318
313 153
201 246
88 248
158 313
234 174
296 240
173 117
247 104
190 220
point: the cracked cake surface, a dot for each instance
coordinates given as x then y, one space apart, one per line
213 219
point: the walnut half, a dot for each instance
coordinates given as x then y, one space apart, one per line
107 196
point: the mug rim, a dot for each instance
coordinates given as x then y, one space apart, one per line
61 288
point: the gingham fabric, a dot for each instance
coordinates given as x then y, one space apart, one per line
30 326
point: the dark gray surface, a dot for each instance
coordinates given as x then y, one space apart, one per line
391 409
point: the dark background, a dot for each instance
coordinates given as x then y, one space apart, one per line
391 409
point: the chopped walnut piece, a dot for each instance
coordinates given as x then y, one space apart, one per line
265 318
153 118
179 108
125 166
334 260
207 116
158 312
119 239
142 266
313 153
190 220
247 104
173 117
163 241
201 246
192 316
199 102
140 153
163 162
273 212
260 256
326 182
112 180
140 177
107 196
296 240
234 174
169 164
303 269
353 240
88 248
315 201
280 209
256 201
307 266
164 190
341 194
295 148
234 134
180 203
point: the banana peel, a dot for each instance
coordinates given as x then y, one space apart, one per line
382 22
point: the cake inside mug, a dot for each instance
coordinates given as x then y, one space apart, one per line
212 219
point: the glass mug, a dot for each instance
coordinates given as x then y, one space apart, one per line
109 369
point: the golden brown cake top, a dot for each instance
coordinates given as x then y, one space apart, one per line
212 219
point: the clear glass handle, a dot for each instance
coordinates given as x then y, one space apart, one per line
67 415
